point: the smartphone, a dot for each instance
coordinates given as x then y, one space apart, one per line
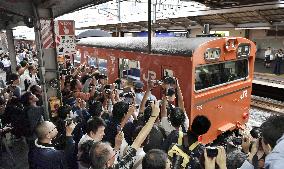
118 128
212 151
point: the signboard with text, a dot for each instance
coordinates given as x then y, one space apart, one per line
65 37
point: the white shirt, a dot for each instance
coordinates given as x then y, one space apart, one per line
139 97
267 52
6 62
85 138
32 80
168 126
23 77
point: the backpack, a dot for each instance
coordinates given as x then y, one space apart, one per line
26 130
179 154
29 126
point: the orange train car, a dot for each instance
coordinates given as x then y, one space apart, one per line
215 73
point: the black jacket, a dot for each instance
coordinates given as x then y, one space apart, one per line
45 156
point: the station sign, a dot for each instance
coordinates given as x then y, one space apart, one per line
65 38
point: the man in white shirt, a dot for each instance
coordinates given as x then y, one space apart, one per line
32 78
139 94
95 130
268 57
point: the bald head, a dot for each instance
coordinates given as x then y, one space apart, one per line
46 130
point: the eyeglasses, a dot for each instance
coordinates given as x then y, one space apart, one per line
52 130
116 152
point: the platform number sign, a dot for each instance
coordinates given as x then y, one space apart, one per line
244 94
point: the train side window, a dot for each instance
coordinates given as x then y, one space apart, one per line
77 58
129 69
92 61
102 65
168 73
208 76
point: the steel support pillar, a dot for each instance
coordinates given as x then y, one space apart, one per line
47 57
11 49
149 26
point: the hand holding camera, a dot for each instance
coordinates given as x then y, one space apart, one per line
214 155
70 128
209 161
246 144
118 140
155 109
221 158
151 84
83 104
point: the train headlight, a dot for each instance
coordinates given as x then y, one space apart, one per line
243 50
212 54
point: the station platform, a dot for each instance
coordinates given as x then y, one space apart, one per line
265 76
260 68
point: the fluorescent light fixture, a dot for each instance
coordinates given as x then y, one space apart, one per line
253 28
133 31
176 30
181 32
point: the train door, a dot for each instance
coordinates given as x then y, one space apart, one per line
129 69
166 71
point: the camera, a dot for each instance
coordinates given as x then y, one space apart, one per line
237 141
137 106
212 151
255 132
127 95
170 92
64 71
76 119
158 82
169 80
107 91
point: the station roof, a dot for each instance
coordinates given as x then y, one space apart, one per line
250 14
218 3
13 11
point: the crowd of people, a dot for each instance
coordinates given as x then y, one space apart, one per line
102 125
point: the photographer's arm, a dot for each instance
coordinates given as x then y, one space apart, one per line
181 104
164 107
144 100
76 72
180 97
92 92
221 158
147 128
145 97
62 81
127 116
86 85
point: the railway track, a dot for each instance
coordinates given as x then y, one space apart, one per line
262 103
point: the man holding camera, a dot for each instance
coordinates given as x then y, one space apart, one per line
138 89
103 155
44 155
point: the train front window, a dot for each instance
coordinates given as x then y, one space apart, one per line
207 76
129 69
